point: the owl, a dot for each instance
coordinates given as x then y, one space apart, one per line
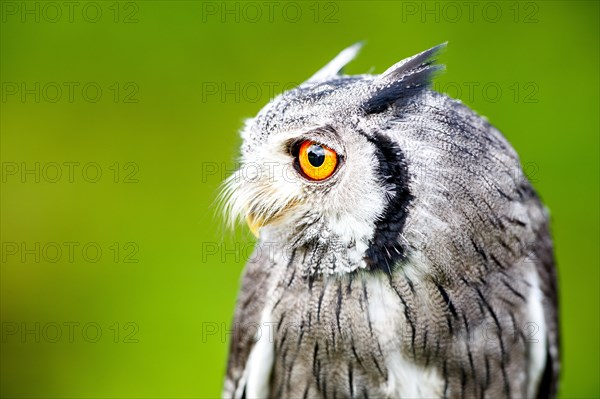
401 253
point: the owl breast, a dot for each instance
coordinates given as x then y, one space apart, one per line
370 334
342 337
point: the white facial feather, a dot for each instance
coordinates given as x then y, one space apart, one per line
271 188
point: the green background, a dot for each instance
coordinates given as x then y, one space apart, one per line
187 76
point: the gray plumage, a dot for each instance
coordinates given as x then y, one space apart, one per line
423 267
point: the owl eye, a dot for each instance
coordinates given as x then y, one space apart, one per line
316 161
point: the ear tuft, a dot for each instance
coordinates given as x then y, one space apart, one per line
333 68
402 78
412 65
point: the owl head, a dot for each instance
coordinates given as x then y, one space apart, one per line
370 171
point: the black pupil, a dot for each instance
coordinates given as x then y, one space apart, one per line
316 155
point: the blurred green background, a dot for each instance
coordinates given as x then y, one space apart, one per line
119 120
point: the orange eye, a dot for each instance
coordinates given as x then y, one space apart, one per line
316 161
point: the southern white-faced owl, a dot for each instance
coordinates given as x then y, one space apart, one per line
402 252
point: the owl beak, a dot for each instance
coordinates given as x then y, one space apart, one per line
254 223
